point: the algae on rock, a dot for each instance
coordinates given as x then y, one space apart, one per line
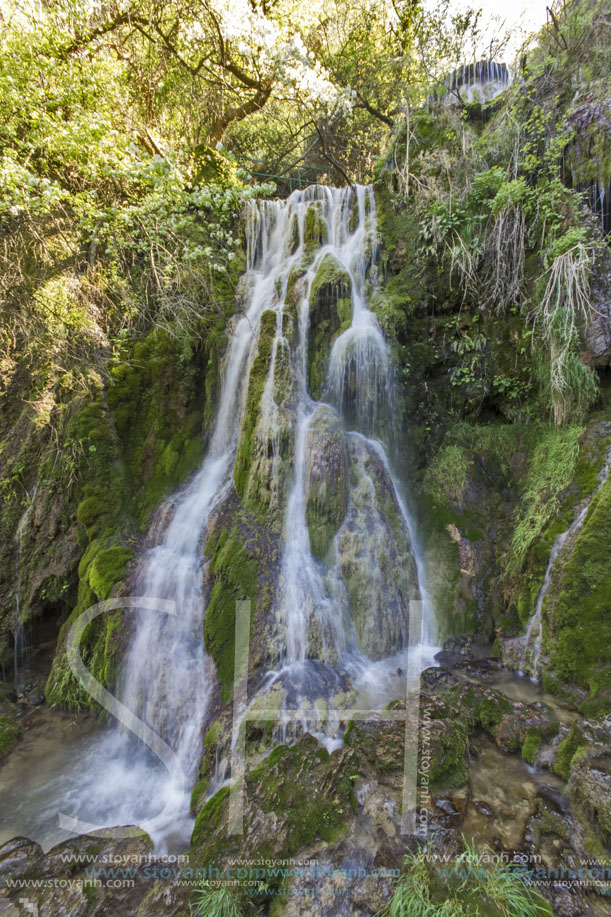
326 479
374 555
330 315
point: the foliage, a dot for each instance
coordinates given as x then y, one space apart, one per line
477 879
216 902
558 316
551 470
447 473
530 746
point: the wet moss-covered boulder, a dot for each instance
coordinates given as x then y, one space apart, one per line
374 555
72 878
315 231
266 432
326 479
330 314
442 747
297 795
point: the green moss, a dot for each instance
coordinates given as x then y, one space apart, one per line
315 229
309 792
447 473
551 470
566 751
549 822
478 706
236 576
9 735
285 783
530 746
104 662
211 738
199 792
90 892
448 761
89 513
330 315
579 608
210 817
157 412
256 384
108 569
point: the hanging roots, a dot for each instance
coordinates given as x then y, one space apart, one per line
503 281
563 310
464 264
565 303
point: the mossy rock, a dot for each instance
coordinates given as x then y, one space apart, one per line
330 315
259 369
107 569
589 789
530 745
442 746
578 608
236 578
566 752
315 229
305 793
479 706
326 479
447 753
374 555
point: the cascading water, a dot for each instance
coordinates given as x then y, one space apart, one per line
166 674
534 633
317 621
349 565
477 82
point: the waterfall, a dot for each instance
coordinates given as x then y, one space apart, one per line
481 82
534 632
350 423
350 566
166 675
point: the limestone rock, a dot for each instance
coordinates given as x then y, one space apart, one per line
374 556
326 479
330 314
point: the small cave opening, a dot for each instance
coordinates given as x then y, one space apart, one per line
604 379
34 644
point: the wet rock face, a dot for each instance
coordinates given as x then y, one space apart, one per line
374 556
326 479
590 788
266 433
315 229
68 887
598 331
297 795
330 315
